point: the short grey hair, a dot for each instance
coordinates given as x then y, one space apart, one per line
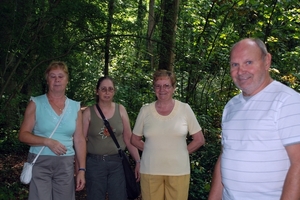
261 45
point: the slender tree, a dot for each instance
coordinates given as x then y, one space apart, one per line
108 34
168 32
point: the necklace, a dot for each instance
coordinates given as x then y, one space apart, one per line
60 109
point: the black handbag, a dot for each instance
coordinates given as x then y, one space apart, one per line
132 187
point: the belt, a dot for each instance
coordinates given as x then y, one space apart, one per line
114 157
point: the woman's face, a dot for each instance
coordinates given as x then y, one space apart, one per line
57 80
163 88
106 90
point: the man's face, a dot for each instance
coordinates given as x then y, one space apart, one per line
248 68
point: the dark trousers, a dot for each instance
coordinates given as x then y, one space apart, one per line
105 174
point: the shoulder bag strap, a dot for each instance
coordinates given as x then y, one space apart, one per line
106 123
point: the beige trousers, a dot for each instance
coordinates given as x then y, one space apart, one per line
159 187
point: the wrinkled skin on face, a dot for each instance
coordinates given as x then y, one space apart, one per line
249 69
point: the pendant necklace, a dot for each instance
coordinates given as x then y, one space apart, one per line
60 109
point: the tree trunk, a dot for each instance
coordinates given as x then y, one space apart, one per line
108 33
150 32
166 49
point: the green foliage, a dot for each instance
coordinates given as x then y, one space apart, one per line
9 142
35 32
13 191
203 160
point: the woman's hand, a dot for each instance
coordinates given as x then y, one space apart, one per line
80 180
56 147
137 171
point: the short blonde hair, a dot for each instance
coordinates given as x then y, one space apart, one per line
164 73
57 65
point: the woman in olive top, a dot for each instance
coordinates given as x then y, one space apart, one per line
104 166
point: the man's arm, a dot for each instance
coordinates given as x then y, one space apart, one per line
216 185
291 185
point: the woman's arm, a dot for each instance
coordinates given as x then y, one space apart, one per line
137 141
80 149
86 118
26 135
196 143
126 137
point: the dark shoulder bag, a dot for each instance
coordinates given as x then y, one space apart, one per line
132 187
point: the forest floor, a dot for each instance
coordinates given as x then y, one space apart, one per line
10 186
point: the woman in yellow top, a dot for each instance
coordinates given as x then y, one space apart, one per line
165 124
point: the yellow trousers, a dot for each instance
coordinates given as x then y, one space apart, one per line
159 187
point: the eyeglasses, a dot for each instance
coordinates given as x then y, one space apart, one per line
105 89
165 87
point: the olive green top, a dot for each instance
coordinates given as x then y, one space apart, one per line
98 141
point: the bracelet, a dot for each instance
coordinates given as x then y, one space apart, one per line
81 169
138 161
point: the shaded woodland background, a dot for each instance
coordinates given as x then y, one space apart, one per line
128 40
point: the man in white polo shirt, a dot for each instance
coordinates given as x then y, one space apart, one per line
260 156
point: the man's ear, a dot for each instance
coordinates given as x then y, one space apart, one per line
268 61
